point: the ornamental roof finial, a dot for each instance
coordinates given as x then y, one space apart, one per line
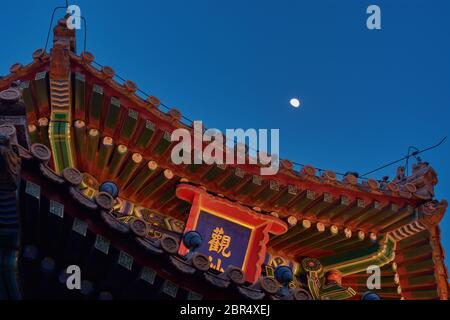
63 35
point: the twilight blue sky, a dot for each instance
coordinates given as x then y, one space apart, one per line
366 95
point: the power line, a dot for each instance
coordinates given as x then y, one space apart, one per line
50 26
190 122
415 153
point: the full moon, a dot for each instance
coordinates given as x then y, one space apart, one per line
295 102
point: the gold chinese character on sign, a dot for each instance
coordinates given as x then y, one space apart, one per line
220 242
216 266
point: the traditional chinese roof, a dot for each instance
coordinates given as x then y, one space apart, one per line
111 131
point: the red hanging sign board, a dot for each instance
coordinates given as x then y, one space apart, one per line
232 234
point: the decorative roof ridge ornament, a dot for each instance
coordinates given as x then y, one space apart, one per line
59 134
420 183
432 212
63 43
61 33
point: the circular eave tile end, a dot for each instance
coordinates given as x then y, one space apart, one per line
153 101
104 200
72 176
108 72
41 152
201 262
175 114
309 170
169 244
10 96
373 184
87 57
393 187
38 54
130 86
139 227
236 275
269 285
286 164
16 67
330 175
351 179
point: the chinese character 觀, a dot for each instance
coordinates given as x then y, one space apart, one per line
220 242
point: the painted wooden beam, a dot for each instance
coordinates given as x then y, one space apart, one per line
322 202
299 228
112 119
141 178
129 124
156 183
415 267
388 211
303 200
80 96
41 89
358 237
27 96
414 240
163 144
43 124
233 179
407 220
145 134
341 204
309 247
33 133
328 236
213 172
104 154
371 210
294 246
298 233
342 238
249 187
286 196
356 208
117 160
80 142
269 191
95 106
413 253
403 212
130 168
417 281
93 139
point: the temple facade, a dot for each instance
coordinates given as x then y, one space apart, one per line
86 180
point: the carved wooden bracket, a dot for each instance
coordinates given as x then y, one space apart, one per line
432 212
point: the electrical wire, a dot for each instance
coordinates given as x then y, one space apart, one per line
415 153
190 122
50 26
